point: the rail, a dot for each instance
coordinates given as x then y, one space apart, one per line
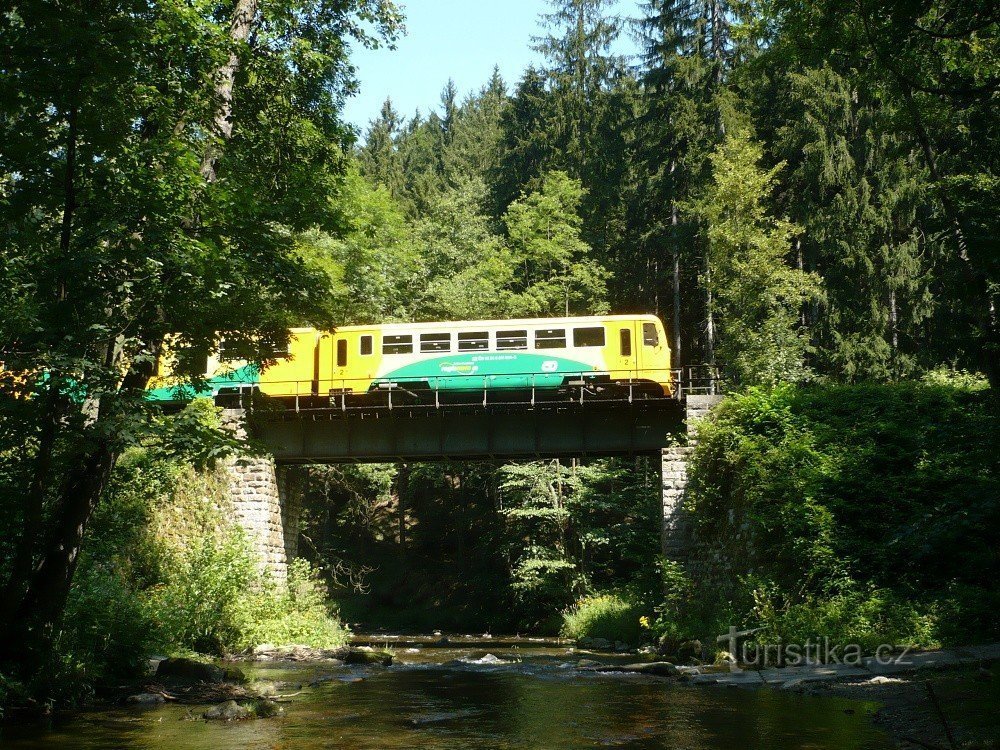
454 389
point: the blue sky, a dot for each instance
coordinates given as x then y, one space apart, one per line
461 39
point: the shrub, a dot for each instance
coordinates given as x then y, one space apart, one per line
867 618
605 616
207 602
865 514
299 614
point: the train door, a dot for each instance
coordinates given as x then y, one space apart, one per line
339 365
627 349
651 352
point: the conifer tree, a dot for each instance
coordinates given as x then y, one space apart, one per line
379 159
758 291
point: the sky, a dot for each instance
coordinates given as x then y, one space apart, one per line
460 39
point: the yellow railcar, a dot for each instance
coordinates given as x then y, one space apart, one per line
538 353
606 353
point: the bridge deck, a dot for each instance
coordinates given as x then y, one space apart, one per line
512 430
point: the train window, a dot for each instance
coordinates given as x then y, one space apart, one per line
588 336
474 341
625 341
279 351
402 344
649 335
341 352
227 353
366 345
231 351
435 342
550 338
507 340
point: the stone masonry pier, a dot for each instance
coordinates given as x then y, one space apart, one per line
266 502
674 533
267 506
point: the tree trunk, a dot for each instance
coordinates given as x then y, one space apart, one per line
676 256
16 585
18 581
27 638
244 15
709 315
37 619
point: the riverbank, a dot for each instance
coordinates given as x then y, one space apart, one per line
935 699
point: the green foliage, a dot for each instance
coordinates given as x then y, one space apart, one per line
544 229
159 161
759 295
603 616
862 512
165 571
867 617
195 435
207 603
300 613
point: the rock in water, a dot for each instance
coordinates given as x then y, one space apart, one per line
367 656
228 711
145 699
190 670
658 668
485 659
883 680
689 650
265 709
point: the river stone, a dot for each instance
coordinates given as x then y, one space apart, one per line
367 656
689 650
147 699
587 664
228 711
190 670
658 668
265 708
488 659
880 679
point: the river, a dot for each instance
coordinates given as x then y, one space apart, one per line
477 692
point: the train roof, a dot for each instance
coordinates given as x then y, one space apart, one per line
511 322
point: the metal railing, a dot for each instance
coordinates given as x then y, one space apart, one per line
437 391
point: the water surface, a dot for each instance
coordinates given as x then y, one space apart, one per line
479 692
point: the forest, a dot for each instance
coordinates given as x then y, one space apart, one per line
804 191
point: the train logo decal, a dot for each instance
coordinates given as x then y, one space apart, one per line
550 365
459 368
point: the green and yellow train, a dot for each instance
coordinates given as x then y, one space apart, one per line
610 354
